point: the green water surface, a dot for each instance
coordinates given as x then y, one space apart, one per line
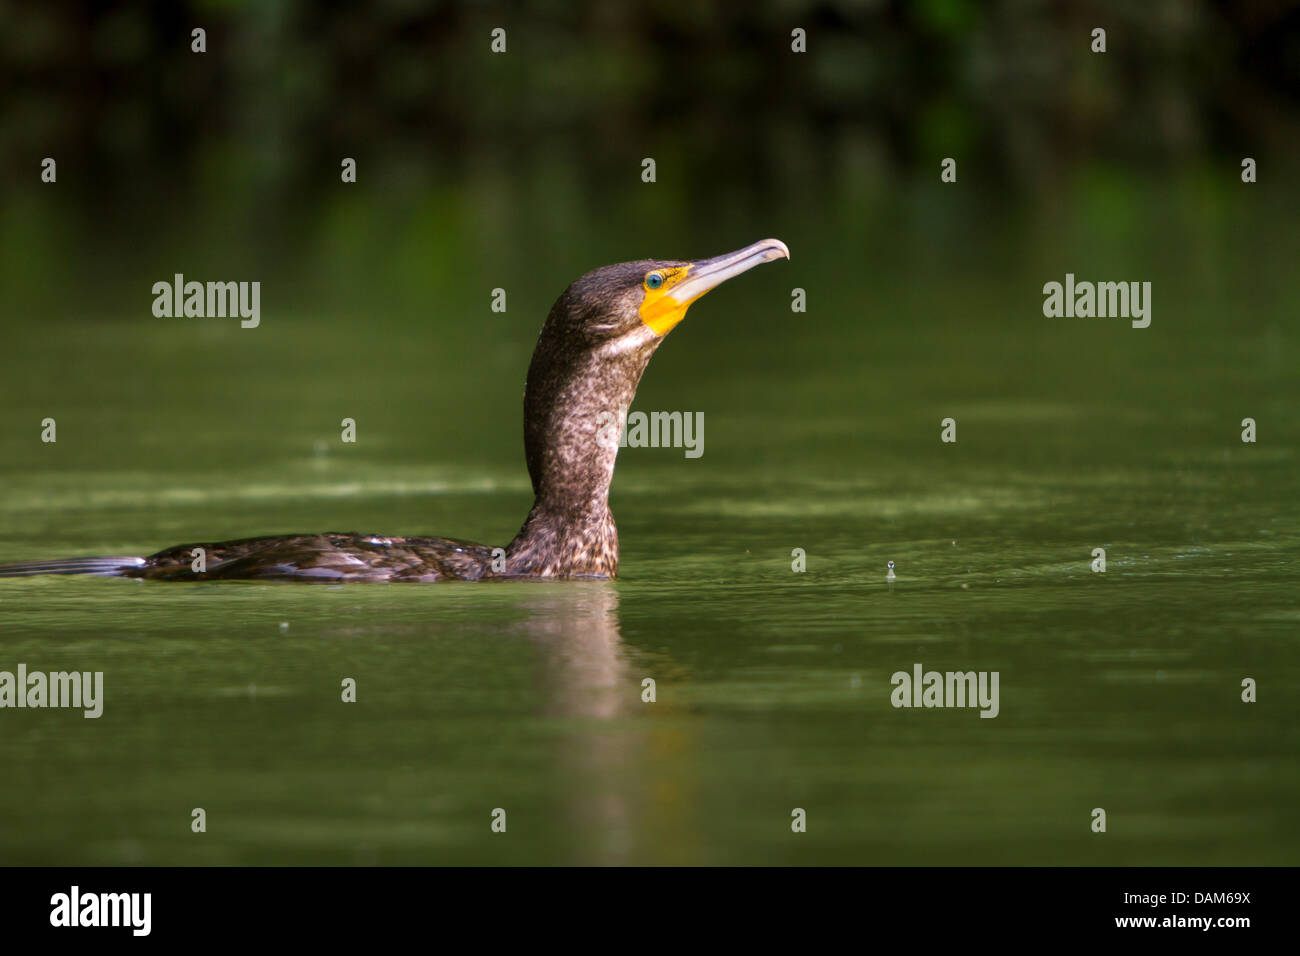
1118 690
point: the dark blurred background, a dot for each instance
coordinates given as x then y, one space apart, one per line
510 160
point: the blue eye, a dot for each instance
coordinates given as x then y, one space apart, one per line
654 280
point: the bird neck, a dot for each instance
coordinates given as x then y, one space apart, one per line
573 404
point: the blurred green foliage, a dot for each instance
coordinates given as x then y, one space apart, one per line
479 160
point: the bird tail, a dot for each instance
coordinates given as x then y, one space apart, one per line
112 567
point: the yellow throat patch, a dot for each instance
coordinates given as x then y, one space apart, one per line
660 310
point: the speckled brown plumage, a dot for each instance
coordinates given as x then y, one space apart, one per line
322 557
589 358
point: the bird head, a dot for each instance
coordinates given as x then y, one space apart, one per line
633 305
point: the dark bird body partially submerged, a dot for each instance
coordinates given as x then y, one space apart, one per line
589 359
324 557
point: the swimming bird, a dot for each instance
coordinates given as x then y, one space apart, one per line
589 358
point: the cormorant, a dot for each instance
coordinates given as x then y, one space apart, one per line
589 357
